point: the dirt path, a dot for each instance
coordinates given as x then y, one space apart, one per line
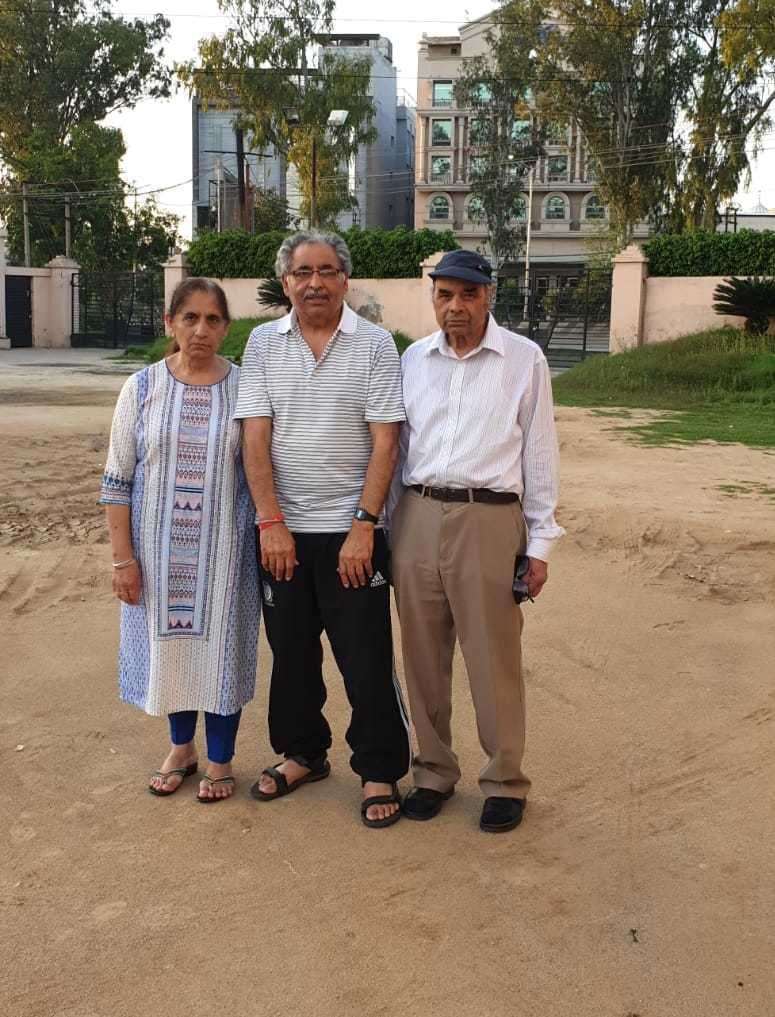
641 882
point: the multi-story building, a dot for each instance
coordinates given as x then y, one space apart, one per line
214 168
381 174
565 209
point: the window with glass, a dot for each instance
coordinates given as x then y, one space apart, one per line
439 207
442 93
557 167
477 167
441 132
556 133
482 94
476 210
441 169
519 209
522 132
594 208
555 207
477 130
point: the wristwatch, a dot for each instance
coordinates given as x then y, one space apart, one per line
365 517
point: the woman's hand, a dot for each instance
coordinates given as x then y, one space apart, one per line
127 583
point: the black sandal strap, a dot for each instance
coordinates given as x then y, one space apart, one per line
278 777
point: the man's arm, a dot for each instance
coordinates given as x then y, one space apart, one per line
540 476
278 549
355 555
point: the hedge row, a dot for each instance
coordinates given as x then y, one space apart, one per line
748 252
376 253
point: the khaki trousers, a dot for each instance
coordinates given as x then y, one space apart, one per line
453 565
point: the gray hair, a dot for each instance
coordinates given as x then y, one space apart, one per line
284 258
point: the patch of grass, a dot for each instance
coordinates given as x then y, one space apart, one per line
618 414
747 487
233 344
721 382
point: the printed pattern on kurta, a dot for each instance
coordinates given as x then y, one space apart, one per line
175 459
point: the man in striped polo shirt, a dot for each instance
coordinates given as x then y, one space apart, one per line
472 533
320 397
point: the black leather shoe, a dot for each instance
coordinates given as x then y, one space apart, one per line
424 803
501 814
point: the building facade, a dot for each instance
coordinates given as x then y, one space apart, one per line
565 210
381 174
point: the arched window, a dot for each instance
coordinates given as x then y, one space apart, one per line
475 210
556 207
439 207
593 208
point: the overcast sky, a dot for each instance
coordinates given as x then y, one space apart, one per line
158 133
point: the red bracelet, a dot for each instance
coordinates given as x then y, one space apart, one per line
264 523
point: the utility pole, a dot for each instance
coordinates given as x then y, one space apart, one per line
219 185
67 225
26 217
313 198
238 133
526 307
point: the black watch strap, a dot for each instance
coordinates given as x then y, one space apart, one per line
365 517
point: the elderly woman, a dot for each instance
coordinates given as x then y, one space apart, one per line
181 525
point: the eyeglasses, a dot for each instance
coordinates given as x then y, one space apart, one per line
519 587
305 274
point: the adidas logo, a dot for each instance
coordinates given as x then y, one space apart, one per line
377 580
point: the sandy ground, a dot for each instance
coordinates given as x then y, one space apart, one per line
641 882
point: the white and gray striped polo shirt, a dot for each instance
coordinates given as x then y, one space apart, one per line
320 410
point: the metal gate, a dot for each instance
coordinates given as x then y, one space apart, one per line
18 309
568 316
116 309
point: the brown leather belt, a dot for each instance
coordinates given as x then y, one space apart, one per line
466 494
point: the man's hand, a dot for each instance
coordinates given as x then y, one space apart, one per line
127 583
278 551
536 576
355 555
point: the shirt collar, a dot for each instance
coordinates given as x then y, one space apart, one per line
348 323
492 340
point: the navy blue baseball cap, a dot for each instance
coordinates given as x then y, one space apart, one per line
466 265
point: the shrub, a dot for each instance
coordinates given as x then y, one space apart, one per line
747 252
376 253
752 299
271 294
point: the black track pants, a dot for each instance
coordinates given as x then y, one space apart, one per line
357 623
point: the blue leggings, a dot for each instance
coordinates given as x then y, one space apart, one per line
221 732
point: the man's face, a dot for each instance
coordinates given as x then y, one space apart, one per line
461 308
315 282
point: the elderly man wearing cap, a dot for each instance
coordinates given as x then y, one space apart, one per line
471 533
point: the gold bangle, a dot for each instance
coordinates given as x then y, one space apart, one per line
124 564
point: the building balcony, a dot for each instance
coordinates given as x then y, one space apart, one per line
441 179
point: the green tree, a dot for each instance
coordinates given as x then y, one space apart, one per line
68 62
263 65
270 212
504 138
611 68
731 91
64 66
105 232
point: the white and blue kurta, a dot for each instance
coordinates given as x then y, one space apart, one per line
175 458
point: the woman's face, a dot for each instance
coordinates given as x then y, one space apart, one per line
198 326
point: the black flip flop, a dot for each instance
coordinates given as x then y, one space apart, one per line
319 769
183 771
394 798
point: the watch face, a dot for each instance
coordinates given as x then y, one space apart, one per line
365 517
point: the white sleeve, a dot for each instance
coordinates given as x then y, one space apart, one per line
116 487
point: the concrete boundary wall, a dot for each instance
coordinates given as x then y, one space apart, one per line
403 304
52 299
654 310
